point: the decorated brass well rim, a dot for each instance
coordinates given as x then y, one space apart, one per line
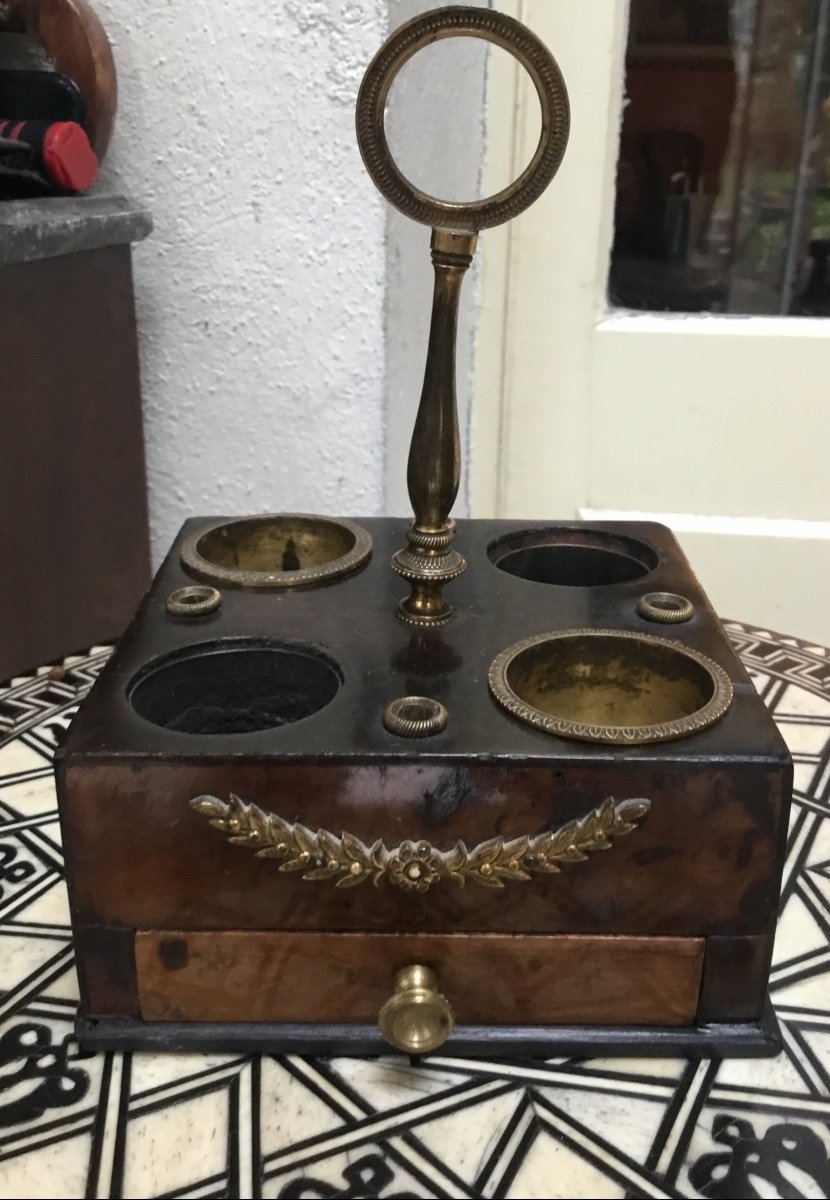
276 550
610 686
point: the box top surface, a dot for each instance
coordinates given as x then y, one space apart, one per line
352 620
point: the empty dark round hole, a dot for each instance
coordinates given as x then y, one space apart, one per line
194 595
418 710
234 687
570 558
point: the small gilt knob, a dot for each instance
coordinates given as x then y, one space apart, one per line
416 1018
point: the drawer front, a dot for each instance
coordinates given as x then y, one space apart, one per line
495 979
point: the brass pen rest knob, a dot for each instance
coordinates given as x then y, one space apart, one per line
416 1018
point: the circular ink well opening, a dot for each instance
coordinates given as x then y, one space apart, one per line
610 686
234 686
276 550
572 558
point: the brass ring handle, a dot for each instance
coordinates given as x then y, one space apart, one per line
416 1018
416 866
510 35
428 562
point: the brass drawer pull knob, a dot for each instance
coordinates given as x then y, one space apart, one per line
416 1018
416 866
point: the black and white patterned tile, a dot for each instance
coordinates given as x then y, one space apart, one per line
139 1125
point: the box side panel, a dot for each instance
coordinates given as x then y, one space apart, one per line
704 860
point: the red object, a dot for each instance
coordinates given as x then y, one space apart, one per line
62 151
69 159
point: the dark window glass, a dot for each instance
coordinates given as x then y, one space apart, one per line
723 181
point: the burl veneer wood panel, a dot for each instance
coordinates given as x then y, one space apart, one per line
703 861
488 979
74 538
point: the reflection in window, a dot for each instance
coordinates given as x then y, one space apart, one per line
723 180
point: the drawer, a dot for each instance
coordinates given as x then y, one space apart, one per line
488 979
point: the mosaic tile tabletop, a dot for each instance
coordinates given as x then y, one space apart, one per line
143 1125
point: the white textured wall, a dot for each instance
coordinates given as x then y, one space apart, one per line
260 293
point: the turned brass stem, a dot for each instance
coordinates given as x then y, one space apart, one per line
434 467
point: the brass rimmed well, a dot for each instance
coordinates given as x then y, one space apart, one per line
276 550
610 685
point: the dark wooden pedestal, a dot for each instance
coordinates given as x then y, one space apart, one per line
659 944
73 537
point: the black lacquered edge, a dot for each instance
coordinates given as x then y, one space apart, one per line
756 1039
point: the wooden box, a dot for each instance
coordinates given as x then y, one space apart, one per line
659 943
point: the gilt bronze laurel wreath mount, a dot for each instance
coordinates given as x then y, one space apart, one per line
415 866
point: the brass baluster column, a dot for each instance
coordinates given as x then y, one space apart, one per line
434 467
